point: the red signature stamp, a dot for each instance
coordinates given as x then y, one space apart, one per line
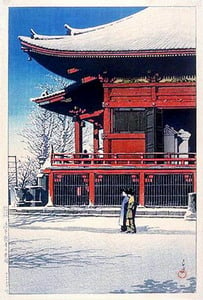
182 273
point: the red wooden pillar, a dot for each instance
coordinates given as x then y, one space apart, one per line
107 121
51 189
141 189
96 138
78 136
195 181
91 189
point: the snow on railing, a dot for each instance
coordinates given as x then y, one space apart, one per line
122 159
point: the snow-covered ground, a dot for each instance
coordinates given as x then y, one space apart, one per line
82 255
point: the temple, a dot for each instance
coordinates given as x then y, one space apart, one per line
135 80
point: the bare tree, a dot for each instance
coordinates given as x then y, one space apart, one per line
27 172
63 136
38 132
46 128
11 180
54 83
88 137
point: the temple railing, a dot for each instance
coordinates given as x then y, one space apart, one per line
124 159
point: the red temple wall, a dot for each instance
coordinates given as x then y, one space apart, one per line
162 95
141 95
125 143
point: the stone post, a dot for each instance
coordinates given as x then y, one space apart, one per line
184 142
170 140
191 211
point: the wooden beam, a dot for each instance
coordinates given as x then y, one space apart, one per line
96 113
72 70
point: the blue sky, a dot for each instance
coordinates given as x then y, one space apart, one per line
24 75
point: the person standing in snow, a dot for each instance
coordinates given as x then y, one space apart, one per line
123 212
131 210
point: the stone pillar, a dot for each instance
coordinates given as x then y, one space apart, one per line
51 190
183 146
170 140
191 211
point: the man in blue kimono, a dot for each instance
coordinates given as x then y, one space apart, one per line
123 212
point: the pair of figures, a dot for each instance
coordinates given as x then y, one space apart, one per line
128 210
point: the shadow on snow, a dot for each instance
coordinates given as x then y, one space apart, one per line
169 286
23 256
24 221
28 219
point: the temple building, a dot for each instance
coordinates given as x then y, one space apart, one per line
135 80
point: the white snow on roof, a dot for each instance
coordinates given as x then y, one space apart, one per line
48 95
150 29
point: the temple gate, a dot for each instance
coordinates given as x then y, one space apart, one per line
143 98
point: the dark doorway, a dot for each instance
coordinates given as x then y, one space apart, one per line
182 119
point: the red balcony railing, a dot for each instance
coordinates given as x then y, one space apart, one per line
124 159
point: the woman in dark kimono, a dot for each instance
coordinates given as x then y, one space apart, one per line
123 213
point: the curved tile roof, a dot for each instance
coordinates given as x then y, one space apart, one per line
154 28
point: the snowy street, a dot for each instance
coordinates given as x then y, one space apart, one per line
79 255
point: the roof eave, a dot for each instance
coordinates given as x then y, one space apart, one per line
31 48
62 95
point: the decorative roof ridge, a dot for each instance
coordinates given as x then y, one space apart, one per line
37 36
76 31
